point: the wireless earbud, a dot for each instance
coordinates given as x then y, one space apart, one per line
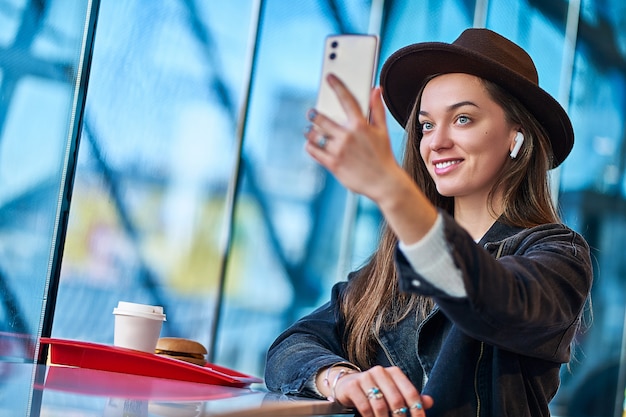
519 139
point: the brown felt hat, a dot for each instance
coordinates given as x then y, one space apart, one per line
483 53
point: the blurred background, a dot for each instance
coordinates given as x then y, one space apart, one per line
189 187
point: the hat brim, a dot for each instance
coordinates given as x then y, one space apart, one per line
405 71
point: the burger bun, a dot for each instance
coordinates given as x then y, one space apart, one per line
182 349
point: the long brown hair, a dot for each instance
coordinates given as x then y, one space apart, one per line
372 300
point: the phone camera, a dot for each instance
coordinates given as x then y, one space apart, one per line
334 44
333 55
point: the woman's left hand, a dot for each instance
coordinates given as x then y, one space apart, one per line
357 153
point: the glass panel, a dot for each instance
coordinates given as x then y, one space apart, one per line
156 158
44 48
597 99
593 190
290 210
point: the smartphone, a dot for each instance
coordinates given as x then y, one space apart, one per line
353 59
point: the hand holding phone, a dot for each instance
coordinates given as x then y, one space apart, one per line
353 59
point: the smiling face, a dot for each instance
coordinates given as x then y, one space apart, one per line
466 136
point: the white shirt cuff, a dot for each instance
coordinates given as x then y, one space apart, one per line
431 258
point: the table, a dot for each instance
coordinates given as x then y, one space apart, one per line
32 390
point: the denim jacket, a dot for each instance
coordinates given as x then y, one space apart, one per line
496 352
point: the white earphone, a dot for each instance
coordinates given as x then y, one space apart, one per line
519 139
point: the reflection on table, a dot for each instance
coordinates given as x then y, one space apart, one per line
50 391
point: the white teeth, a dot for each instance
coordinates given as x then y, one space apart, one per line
446 164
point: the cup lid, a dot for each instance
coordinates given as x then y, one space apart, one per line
142 310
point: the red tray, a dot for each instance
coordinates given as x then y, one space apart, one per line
117 359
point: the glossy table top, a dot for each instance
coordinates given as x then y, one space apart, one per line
49 391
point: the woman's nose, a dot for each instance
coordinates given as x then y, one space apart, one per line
439 139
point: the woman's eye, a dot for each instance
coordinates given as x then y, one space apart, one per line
426 126
463 120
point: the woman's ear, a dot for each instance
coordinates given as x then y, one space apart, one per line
517 144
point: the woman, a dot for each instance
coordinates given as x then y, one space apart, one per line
473 297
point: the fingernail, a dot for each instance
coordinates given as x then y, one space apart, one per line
311 114
307 129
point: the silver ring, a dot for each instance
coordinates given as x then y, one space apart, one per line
417 406
322 141
374 393
402 410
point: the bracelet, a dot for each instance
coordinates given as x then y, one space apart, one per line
334 365
333 395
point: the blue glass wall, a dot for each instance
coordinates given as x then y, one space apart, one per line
192 183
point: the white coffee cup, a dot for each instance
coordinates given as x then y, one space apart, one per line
137 326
